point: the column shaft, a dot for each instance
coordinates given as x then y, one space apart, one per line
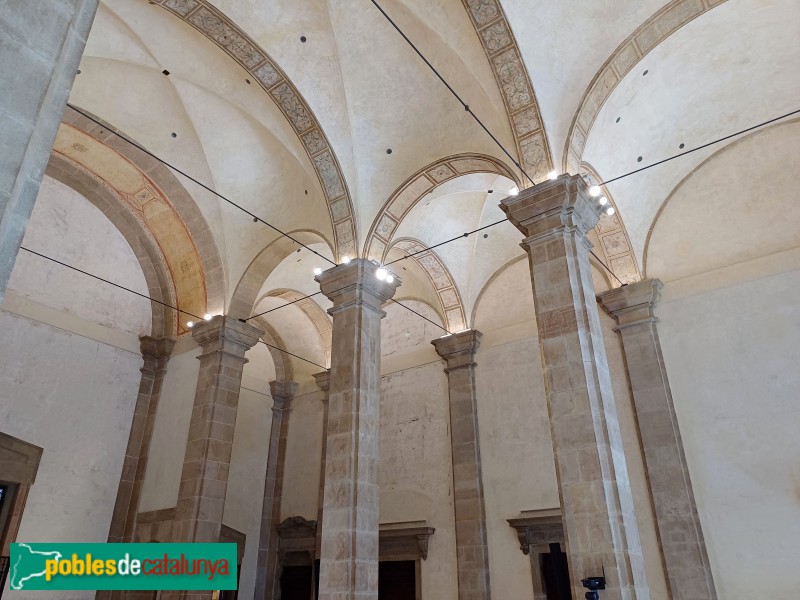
349 553
472 551
323 382
679 530
156 354
267 575
204 479
41 50
596 499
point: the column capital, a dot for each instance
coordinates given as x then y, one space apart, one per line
226 334
323 381
355 283
552 206
458 349
282 393
155 351
632 304
156 347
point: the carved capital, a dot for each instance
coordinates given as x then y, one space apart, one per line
282 393
632 304
355 284
458 349
553 206
323 381
155 352
224 334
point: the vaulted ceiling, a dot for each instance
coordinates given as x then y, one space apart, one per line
319 118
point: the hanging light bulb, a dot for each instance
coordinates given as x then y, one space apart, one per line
513 191
389 279
381 274
610 211
345 260
552 175
317 271
190 324
207 317
603 201
594 191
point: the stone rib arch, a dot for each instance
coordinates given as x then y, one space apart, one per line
610 238
505 58
628 54
419 185
452 306
161 183
246 293
318 317
160 286
155 213
218 28
284 371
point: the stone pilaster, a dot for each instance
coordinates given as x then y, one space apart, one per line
679 530
472 552
324 383
204 479
42 47
349 554
597 503
156 353
267 584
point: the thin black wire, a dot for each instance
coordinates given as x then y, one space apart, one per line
722 139
281 306
200 183
421 315
295 355
452 91
122 287
717 141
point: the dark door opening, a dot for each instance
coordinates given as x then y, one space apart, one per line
555 574
296 583
397 580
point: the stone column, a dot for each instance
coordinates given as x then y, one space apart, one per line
201 497
324 383
349 558
41 50
679 529
596 499
156 353
267 576
472 552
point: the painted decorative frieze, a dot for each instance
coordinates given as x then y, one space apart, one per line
212 23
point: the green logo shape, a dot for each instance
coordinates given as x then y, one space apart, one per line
122 567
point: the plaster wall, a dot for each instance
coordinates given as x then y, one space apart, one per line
731 355
168 445
67 227
516 454
303 457
74 397
245 493
416 467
